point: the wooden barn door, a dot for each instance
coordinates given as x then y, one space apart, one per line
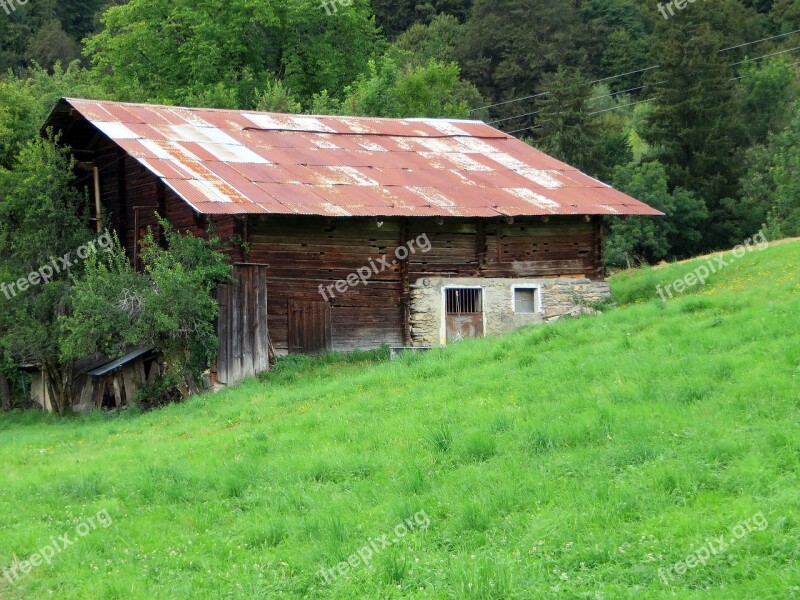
242 325
309 327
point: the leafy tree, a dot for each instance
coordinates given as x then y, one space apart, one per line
647 239
276 97
428 10
624 53
617 40
692 123
437 40
323 104
396 16
170 305
614 120
786 14
26 102
325 52
431 91
51 45
771 186
765 94
169 50
79 17
605 16
175 50
567 131
41 219
508 45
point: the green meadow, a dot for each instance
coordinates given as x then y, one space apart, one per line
570 460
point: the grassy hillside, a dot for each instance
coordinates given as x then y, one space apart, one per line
571 460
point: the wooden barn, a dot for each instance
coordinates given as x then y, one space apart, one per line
352 232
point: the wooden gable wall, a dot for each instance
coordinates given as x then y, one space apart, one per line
303 253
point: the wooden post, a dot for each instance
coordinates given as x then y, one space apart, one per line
5 392
405 294
98 211
480 246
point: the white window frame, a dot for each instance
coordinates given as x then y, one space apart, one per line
526 286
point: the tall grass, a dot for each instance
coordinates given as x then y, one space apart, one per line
571 460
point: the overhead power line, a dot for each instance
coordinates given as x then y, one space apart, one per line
774 37
545 93
624 74
642 87
633 89
523 129
654 67
514 117
741 62
508 102
597 112
538 111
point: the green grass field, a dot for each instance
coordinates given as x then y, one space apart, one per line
572 460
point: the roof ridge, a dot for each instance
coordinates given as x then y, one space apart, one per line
262 112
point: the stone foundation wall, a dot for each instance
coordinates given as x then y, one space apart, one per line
558 297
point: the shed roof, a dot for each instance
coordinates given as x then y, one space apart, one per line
234 162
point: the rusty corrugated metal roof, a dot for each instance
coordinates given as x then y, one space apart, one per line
230 162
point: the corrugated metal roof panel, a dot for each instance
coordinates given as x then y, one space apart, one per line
292 194
145 131
198 150
136 148
243 162
225 208
390 176
166 169
150 115
92 110
264 173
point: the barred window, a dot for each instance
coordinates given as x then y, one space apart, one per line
464 301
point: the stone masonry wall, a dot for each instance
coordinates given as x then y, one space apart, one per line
558 297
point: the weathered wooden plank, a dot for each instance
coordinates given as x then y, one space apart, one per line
223 333
249 328
236 334
116 384
262 332
128 378
99 392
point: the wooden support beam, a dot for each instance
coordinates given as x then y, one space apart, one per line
98 207
480 245
122 197
405 294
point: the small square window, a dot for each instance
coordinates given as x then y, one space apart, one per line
526 300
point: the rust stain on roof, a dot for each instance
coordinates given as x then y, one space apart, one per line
246 162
